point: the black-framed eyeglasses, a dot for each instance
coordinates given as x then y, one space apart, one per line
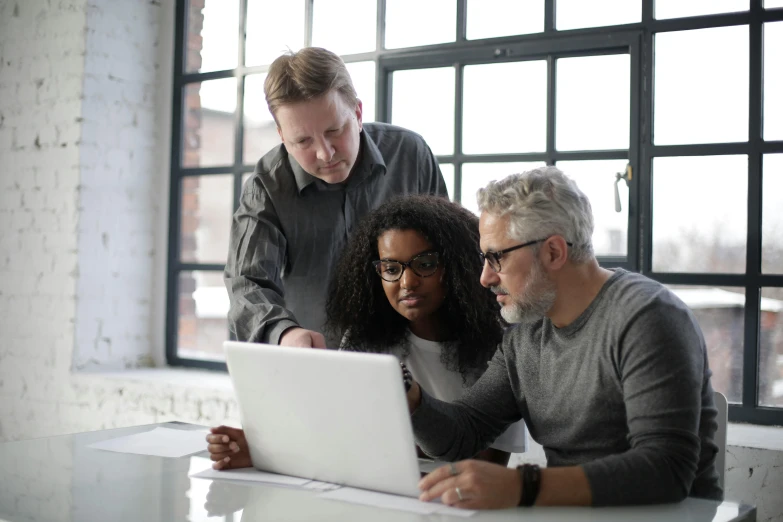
423 265
494 257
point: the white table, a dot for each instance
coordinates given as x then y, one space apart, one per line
61 479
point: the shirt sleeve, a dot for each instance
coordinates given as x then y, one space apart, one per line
459 430
661 361
257 254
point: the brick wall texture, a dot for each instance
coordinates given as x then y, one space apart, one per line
80 178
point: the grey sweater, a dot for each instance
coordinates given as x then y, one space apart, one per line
624 391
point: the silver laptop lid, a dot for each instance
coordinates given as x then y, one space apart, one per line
339 417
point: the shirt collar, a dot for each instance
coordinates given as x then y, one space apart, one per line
368 159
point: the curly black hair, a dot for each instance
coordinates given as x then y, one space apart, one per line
358 311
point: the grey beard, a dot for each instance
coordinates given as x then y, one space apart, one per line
537 299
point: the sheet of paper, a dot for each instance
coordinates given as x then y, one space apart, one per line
252 475
159 442
387 501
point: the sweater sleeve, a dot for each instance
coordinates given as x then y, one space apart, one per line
459 430
660 360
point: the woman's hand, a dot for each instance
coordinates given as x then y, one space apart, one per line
228 448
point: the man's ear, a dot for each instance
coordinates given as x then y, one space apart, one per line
359 111
554 252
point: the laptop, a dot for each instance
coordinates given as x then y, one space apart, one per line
339 417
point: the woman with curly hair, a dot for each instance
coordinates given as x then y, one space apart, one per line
408 284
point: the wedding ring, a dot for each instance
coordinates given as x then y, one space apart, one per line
459 494
453 469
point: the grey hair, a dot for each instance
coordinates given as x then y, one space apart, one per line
543 202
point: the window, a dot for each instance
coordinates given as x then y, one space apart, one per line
667 115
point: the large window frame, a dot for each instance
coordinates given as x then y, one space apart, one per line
635 39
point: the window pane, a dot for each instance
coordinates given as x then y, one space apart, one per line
363 77
493 18
773 81
574 14
700 214
273 27
497 98
677 8
203 307
213 35
423 101
260 128
329 16
208 130
597 180
721 316
701 86
207 202
772 217
771 348
476 176
447 169
773 3
410 23
593 102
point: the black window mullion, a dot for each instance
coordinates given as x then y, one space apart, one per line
648 14
175 190
462 20
634 154
459 93
380 34
239 115
750 369
551 110
549 16
308 33
644 174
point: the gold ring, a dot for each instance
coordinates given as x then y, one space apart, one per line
459 494
453 469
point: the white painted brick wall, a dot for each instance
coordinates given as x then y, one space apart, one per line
84 123
41 56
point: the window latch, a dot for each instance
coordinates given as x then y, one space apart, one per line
627 176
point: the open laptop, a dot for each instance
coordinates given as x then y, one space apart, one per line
339 417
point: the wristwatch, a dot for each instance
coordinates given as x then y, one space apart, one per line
530 475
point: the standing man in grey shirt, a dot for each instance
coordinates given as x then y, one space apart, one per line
306 196
607 368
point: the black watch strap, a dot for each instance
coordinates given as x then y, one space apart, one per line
530 475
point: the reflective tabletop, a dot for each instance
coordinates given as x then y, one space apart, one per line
61 479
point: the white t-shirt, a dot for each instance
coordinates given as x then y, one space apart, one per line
446 385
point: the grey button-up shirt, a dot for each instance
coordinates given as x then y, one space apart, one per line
290 228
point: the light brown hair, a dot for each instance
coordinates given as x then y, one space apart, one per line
307 74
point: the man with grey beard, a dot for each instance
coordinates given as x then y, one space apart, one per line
607 368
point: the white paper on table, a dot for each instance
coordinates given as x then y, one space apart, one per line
160 442
388 501
252 475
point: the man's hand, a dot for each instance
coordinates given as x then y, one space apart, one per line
482 485
228 448
304 338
